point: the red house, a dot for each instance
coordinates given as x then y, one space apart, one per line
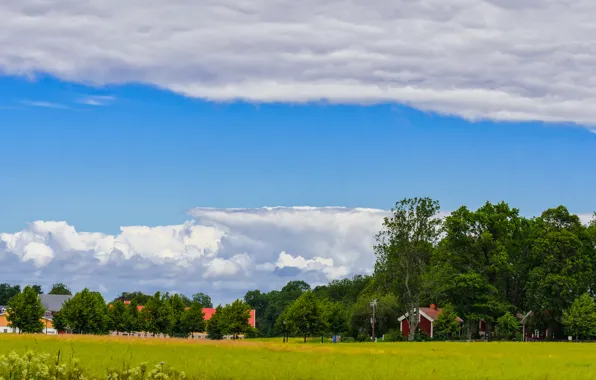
428 315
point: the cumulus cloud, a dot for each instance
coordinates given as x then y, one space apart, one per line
495 59
223 252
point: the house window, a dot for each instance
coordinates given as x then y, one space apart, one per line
5 331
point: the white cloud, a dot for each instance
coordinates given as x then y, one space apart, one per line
97 100
496 59
43 104
224 252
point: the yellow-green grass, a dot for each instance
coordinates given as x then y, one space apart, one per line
271 359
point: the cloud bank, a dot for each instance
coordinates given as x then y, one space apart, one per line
478 59
223 252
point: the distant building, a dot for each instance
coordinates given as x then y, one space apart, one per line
6 329
426 318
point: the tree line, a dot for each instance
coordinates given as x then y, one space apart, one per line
490 265
173 315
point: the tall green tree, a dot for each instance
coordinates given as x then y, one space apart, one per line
37 289
8 291
176 305
562 258
336 317
580 318
386 314
345 291
117 315
60 289
508 325
477 249
446 326
215 325
139 297
269 306
305 317
86 313
404 248
203 299
132 317
193 319
157 314
235 318
25 311
259 302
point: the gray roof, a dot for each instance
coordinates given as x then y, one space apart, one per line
53 302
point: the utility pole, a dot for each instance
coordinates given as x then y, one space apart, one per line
372 320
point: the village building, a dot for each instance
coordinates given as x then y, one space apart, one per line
52 303
426 319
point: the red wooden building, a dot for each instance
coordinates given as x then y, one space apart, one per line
428 315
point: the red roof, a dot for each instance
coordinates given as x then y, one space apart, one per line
433 313
430 312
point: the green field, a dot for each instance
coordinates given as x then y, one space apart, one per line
268 359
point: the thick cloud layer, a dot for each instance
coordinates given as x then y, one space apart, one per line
496 59
223 252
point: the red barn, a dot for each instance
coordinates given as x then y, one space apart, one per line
428 315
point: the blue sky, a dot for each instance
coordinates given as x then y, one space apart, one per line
147 156
138 150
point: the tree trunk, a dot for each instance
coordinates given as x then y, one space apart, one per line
489 329
469 330
305 339
413 320
550 330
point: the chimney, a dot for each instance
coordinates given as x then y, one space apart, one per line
433 306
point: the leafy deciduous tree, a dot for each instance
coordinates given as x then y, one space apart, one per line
25 311
447 325
403 250
203 299
508 325
215 325
580 318
86 313
306 316
235 318
193 319
60 289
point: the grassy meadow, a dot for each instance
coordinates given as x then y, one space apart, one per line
271 359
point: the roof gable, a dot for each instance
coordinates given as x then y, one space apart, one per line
430 314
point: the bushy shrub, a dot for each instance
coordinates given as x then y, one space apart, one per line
44 367
394 336
363 337
421 336
252 333
347 339
144 372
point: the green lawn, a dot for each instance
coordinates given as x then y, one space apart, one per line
271 359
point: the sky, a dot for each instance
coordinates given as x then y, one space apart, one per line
225 146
